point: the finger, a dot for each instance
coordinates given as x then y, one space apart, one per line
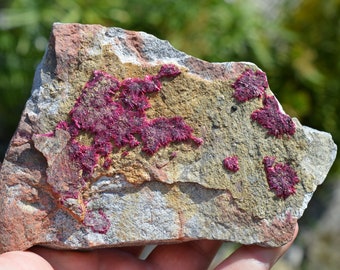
63 259
23 260
255 257
190 255
113 258
135 251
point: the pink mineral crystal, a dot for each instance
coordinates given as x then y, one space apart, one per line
113 113
231 163
251 84
271 118
281 177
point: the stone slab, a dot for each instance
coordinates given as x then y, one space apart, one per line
128 141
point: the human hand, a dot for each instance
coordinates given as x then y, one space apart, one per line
189 256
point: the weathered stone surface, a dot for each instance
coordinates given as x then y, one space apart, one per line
127 141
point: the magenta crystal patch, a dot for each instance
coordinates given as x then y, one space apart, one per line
281 177
251 84
231 163
271 118
113 115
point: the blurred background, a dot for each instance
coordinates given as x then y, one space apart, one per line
296 42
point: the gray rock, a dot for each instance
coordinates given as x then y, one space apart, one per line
128 141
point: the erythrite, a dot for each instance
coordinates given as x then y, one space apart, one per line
231 163
271 118
113 114
251 84
281 177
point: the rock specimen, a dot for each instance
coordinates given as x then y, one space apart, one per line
127 141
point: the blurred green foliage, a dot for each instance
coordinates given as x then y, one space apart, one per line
296 44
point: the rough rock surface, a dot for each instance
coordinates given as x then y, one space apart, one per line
127 141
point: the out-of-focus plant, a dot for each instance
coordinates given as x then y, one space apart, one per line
309 71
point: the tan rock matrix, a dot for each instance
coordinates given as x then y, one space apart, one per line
128 141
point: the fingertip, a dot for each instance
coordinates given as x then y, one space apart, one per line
256 257
23 260
187 255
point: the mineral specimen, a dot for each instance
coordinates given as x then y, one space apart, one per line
128 141
281 177
231 163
